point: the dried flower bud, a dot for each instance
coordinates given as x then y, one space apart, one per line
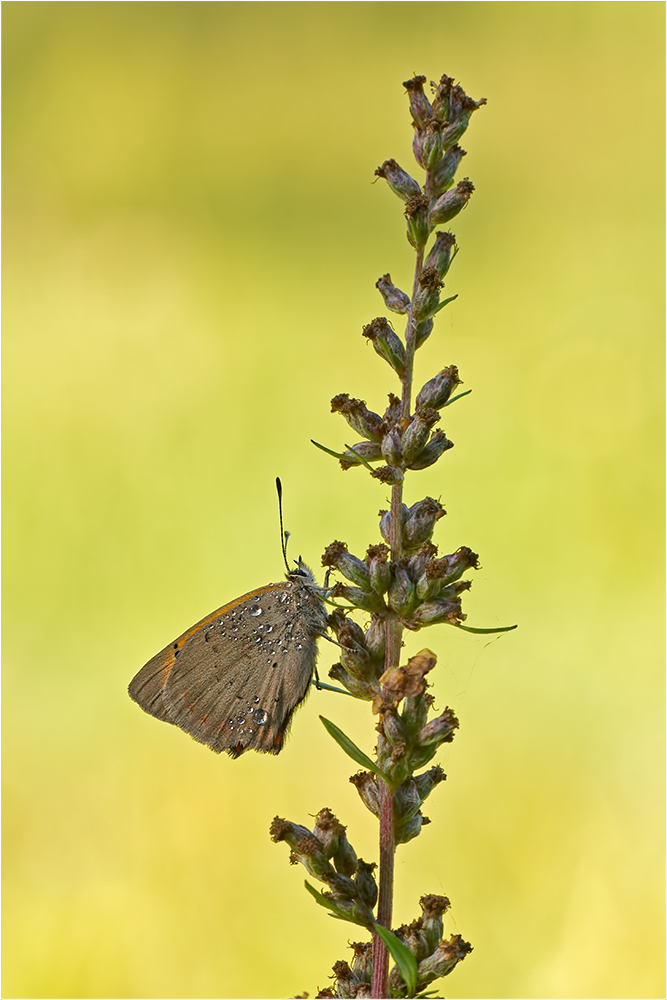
442 91
411 828
387 343
420 522
417 146
415 712
346 981
380 570
366 784
362 963
419 224
406 682
441 254
437 390
393 412
407 801
441 177
385 522
417 433
358 598
446 956
357 686
455 564
328 829
423 332
341 886
440 730
388 474
364 451
392 450
345 858
460 111
431 452
394 298
450 204
337 556
432 143
402 596
392 726
437 613
370 425
400 182
375 639
367 889
354 654
420 106
427 298
427 781
433 908
419 561
306 847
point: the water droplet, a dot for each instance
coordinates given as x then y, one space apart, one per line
299 646
240 720
283 598
256 701
249 710
249 732
269 628
259 716
230 722
256 612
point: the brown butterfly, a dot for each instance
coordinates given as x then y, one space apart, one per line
234 679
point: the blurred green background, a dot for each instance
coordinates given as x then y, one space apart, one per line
191 242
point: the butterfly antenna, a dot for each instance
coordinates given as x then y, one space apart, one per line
284 535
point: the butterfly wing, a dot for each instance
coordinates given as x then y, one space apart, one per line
233 680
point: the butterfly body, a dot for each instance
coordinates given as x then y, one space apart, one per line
233 680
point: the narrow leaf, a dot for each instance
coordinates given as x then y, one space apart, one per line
484 631
335 454
444 303
321 686
460 396
319 898
351 749
336 912
405 960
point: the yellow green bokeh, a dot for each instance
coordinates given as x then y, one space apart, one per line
191 243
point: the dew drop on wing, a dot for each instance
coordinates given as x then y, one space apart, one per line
256 612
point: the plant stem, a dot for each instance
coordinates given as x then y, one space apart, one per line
393 643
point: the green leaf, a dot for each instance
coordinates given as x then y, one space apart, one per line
336 912
405 960
351 749
319 898
321 686
444 303
484 631
460 396
335 454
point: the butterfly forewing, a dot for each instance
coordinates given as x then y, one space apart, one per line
233 680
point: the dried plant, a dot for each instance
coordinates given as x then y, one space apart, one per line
402 584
